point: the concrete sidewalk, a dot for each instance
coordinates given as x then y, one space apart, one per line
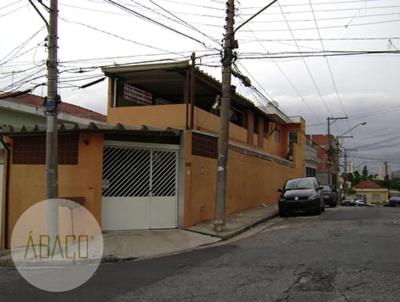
238 222
140 244
125 245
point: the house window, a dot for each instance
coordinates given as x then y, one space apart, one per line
237 117
136 96
292 138
311 172
129 95
31 150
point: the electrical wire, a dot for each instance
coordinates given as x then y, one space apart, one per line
304 62
327 61
146 18
185 23
118 36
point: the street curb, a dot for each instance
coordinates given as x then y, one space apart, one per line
248 226
239 230
113 259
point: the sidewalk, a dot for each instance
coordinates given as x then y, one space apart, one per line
141 244
126 245
238 222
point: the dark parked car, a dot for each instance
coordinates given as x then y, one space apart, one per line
393 202
329 196
301 195
348 202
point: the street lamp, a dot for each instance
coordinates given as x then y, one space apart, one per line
351 129
343 136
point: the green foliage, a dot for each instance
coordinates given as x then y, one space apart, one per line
365 173
395 184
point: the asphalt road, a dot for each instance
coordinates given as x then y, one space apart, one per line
346 254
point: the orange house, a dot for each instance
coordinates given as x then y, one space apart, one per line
162 175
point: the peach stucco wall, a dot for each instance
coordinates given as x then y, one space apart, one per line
27 182
175 116
251 181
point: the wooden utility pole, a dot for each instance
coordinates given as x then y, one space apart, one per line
51 108
330 121
223 140
345 173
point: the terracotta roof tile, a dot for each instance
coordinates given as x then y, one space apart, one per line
67 108
367 184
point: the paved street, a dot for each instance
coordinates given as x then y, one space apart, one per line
346 254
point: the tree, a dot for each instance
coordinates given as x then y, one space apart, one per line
356 178
365 173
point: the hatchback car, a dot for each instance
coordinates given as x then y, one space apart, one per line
301 195
329 196
348 202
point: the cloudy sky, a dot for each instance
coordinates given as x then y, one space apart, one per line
364 87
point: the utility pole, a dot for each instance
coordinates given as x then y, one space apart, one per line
223 139
51 108
345 161
330 121
345 174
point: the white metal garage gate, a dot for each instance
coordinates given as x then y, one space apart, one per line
140 184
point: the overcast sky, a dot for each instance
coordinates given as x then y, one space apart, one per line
364 88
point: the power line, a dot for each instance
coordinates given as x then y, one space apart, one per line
326 39
143 17
185 23
17 49
329 10
327 61
10 4
304 61
14 10
195 5
326 19
286 77
328 27
118 36
314 54
320 3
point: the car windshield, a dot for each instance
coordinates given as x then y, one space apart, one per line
326 188
300 183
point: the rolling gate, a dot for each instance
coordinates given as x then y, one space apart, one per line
140 186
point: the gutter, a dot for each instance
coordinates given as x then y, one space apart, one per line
4 242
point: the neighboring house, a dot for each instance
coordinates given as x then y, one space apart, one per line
154 165
311 159
322 142
27 110
371 192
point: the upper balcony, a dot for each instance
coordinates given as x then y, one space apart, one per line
181 96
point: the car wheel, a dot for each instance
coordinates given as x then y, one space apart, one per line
318 210
283 214
332 205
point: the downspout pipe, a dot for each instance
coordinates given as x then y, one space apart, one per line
4 242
